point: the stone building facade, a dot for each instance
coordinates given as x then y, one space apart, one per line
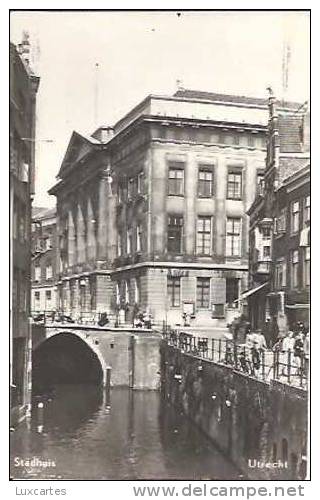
23 90
280 224
152 212
44 260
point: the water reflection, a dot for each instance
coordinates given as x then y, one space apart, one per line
87 433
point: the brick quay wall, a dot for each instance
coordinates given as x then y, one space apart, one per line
261 426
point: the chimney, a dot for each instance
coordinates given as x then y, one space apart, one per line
103 134
24 48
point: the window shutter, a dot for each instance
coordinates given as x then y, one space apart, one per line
218 290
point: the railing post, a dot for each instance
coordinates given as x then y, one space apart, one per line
263 359
289 366
274 365
219 351
235 355
302 368
212 349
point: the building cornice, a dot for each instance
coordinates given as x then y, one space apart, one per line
189 265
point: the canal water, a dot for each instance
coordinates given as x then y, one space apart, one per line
85 433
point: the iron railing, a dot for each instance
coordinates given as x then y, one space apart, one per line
79 318
263 364
93 318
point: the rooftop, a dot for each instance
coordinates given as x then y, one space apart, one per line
291 133
42 213
228 98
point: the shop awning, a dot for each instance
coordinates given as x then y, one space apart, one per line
297 306
246 294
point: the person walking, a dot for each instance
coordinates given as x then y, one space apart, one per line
298 351
266 331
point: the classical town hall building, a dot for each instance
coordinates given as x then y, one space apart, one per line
151 213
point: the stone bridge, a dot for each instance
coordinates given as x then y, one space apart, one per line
81 353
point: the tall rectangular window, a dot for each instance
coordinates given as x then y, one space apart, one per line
126 292
232 292
176 181
175 233
280 274
306 267
306 211
139 237
281 223
131 188
173 291
295 268
37 273
37 300
266 233
203 293
204 236
234 189
48 296
137 291
48 271
205 182
119 246
140 183
129 241
295 210
233 237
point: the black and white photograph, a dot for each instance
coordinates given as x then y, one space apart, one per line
159 245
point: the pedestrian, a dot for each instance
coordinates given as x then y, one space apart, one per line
288 342
298 351
255 358
286 346
266 330
260 340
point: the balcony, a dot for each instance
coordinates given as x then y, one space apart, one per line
262 267
266 222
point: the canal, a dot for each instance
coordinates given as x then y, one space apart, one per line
84 433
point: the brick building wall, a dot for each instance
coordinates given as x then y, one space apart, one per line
44 260
23 89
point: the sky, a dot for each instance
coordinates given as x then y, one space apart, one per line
139 53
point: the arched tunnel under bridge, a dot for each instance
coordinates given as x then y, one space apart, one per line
64 359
